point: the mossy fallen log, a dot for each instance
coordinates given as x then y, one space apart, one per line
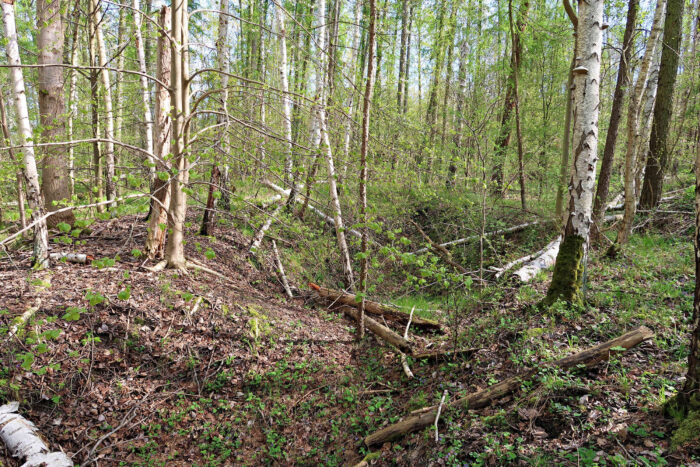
586 358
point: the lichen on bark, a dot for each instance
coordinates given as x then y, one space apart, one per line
567 277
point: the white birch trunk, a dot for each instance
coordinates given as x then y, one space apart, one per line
349 103
109 113
327 150
72 109
568 274
286 101
41 242
23 440
633 112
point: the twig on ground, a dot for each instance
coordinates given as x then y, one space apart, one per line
437 417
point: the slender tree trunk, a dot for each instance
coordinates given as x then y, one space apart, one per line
503 139
25 137
55 166
601 196
107 101
349 102
158 221
286 100
73 100
119 80
325 142
364 142
407 70
98 186
402 54
219 177
564 169
663 110
518 132
689 396
179 95
145 95
567 279
633 111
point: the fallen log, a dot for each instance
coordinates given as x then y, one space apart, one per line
516 228
79 258
280 270
380 330
328 219
23 441
586 358
388 312
21 321
543 259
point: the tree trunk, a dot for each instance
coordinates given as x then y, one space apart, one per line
327 150
158 221
25 137
503 138
658 147
350 100
601 195
633 112
145 99
364 143
567 279
402 54
107 101
564 169
73 100
98 187
180 101
518 133
689 396
286 100
219 177
55 183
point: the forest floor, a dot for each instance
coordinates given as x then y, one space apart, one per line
172 369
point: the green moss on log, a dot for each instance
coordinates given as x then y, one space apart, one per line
567 278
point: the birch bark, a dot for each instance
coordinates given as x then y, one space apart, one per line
25 137
567 279
633 111
107 101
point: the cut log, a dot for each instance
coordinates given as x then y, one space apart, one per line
79 258
482 398
23 441
388 312
380 330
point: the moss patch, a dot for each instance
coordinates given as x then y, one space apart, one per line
688 431
567 278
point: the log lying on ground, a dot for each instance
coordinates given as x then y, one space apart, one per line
388 312
380 330
543 259
516 228
328 219
23 441
21 320
79 258
540 260
482 398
